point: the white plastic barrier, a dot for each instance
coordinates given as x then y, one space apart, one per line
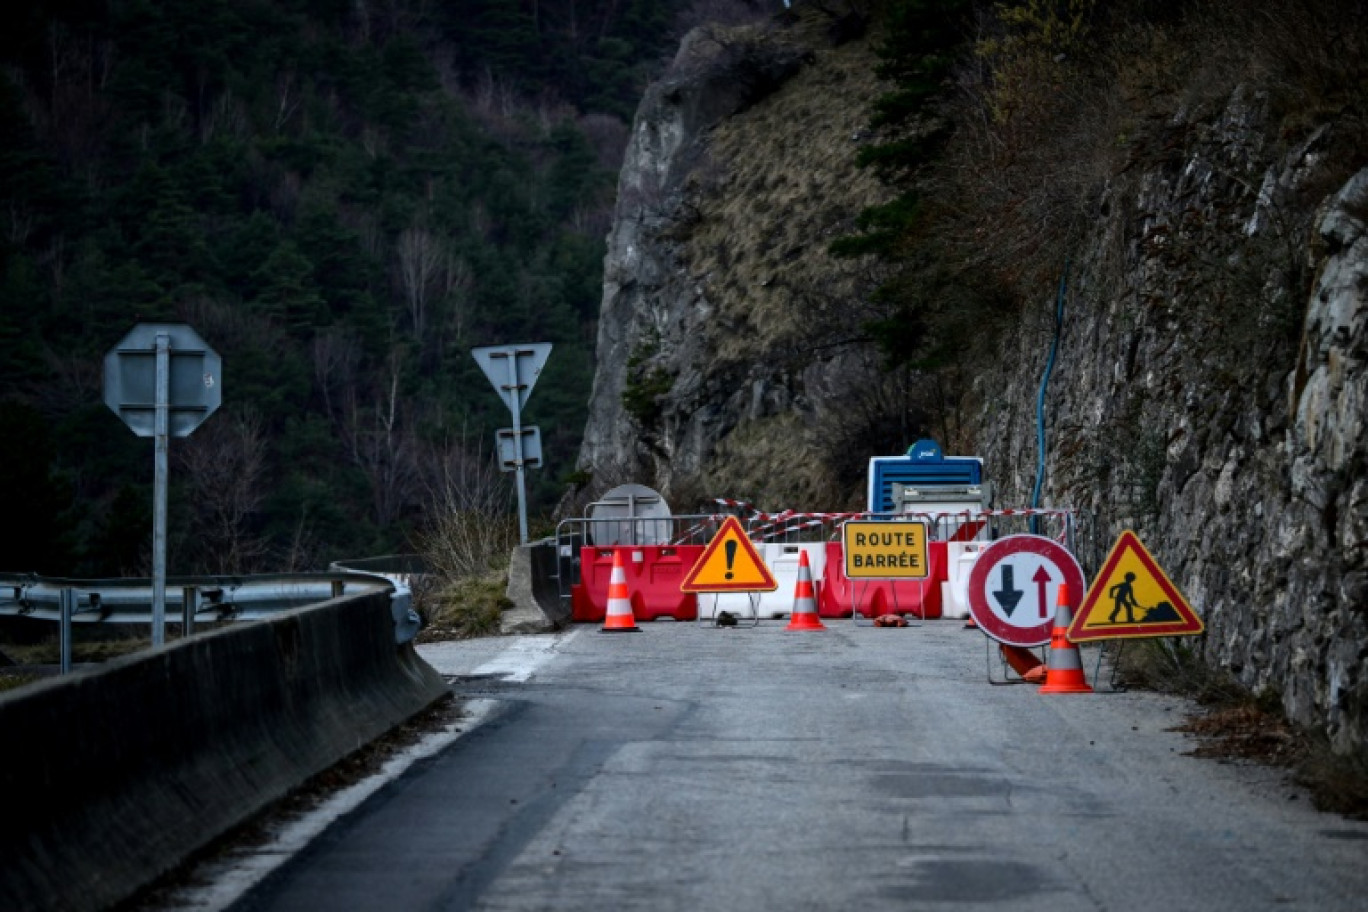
782 561
959 559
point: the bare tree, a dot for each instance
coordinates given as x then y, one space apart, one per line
380 441
420 257
470 525
302 553
458 280
435 284
336 355
287 99
223 465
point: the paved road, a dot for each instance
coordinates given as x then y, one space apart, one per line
688 768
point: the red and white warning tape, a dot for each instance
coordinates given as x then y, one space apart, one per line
765 526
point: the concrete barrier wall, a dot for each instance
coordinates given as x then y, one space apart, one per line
112 777
534 590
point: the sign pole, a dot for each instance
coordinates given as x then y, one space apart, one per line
513 378
513 385
140 388
160 433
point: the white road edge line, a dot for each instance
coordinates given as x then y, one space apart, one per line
230 879
522 658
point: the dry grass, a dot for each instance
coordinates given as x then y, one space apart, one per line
48 651
1238 726
750 454
11 680
465 608
1169 665
469 544
1337 783
1040 136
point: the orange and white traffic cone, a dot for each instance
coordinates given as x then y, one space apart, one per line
804 616
1065 672
619 618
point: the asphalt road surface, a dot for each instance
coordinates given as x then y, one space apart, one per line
695 768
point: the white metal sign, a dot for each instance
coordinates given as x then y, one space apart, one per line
513 369
194 380
1014 586
512 456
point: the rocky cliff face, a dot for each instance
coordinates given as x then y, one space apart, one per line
1209 391
1230 436
721 305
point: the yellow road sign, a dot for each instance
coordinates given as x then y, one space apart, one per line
1132 597
730 564
885 549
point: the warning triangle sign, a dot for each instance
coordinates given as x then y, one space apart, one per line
1132 597
730 564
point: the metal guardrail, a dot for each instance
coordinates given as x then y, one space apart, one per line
202 599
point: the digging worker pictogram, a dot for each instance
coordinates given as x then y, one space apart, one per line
1123 596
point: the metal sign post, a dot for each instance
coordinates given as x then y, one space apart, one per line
513 370
163 381
161 430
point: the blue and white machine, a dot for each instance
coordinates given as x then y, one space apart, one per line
951 491
926 481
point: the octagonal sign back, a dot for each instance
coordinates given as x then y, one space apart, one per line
195 387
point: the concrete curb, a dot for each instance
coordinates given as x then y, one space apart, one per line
111 778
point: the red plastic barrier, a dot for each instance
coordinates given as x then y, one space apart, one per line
654 574
920 598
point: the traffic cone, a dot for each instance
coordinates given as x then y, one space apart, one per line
1065 672
804 615
619 618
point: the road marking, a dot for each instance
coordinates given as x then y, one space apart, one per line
523 657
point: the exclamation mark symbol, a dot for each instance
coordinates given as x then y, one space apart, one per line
730 547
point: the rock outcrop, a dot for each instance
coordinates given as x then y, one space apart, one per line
714 350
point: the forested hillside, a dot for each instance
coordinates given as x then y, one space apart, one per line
342 198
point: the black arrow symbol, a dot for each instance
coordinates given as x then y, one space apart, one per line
1008 596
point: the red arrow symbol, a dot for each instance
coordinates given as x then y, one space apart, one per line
1041 577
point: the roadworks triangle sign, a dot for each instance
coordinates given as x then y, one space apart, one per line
730 564
1132 597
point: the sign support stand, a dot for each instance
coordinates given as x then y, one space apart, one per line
163 381
160 433
518 450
